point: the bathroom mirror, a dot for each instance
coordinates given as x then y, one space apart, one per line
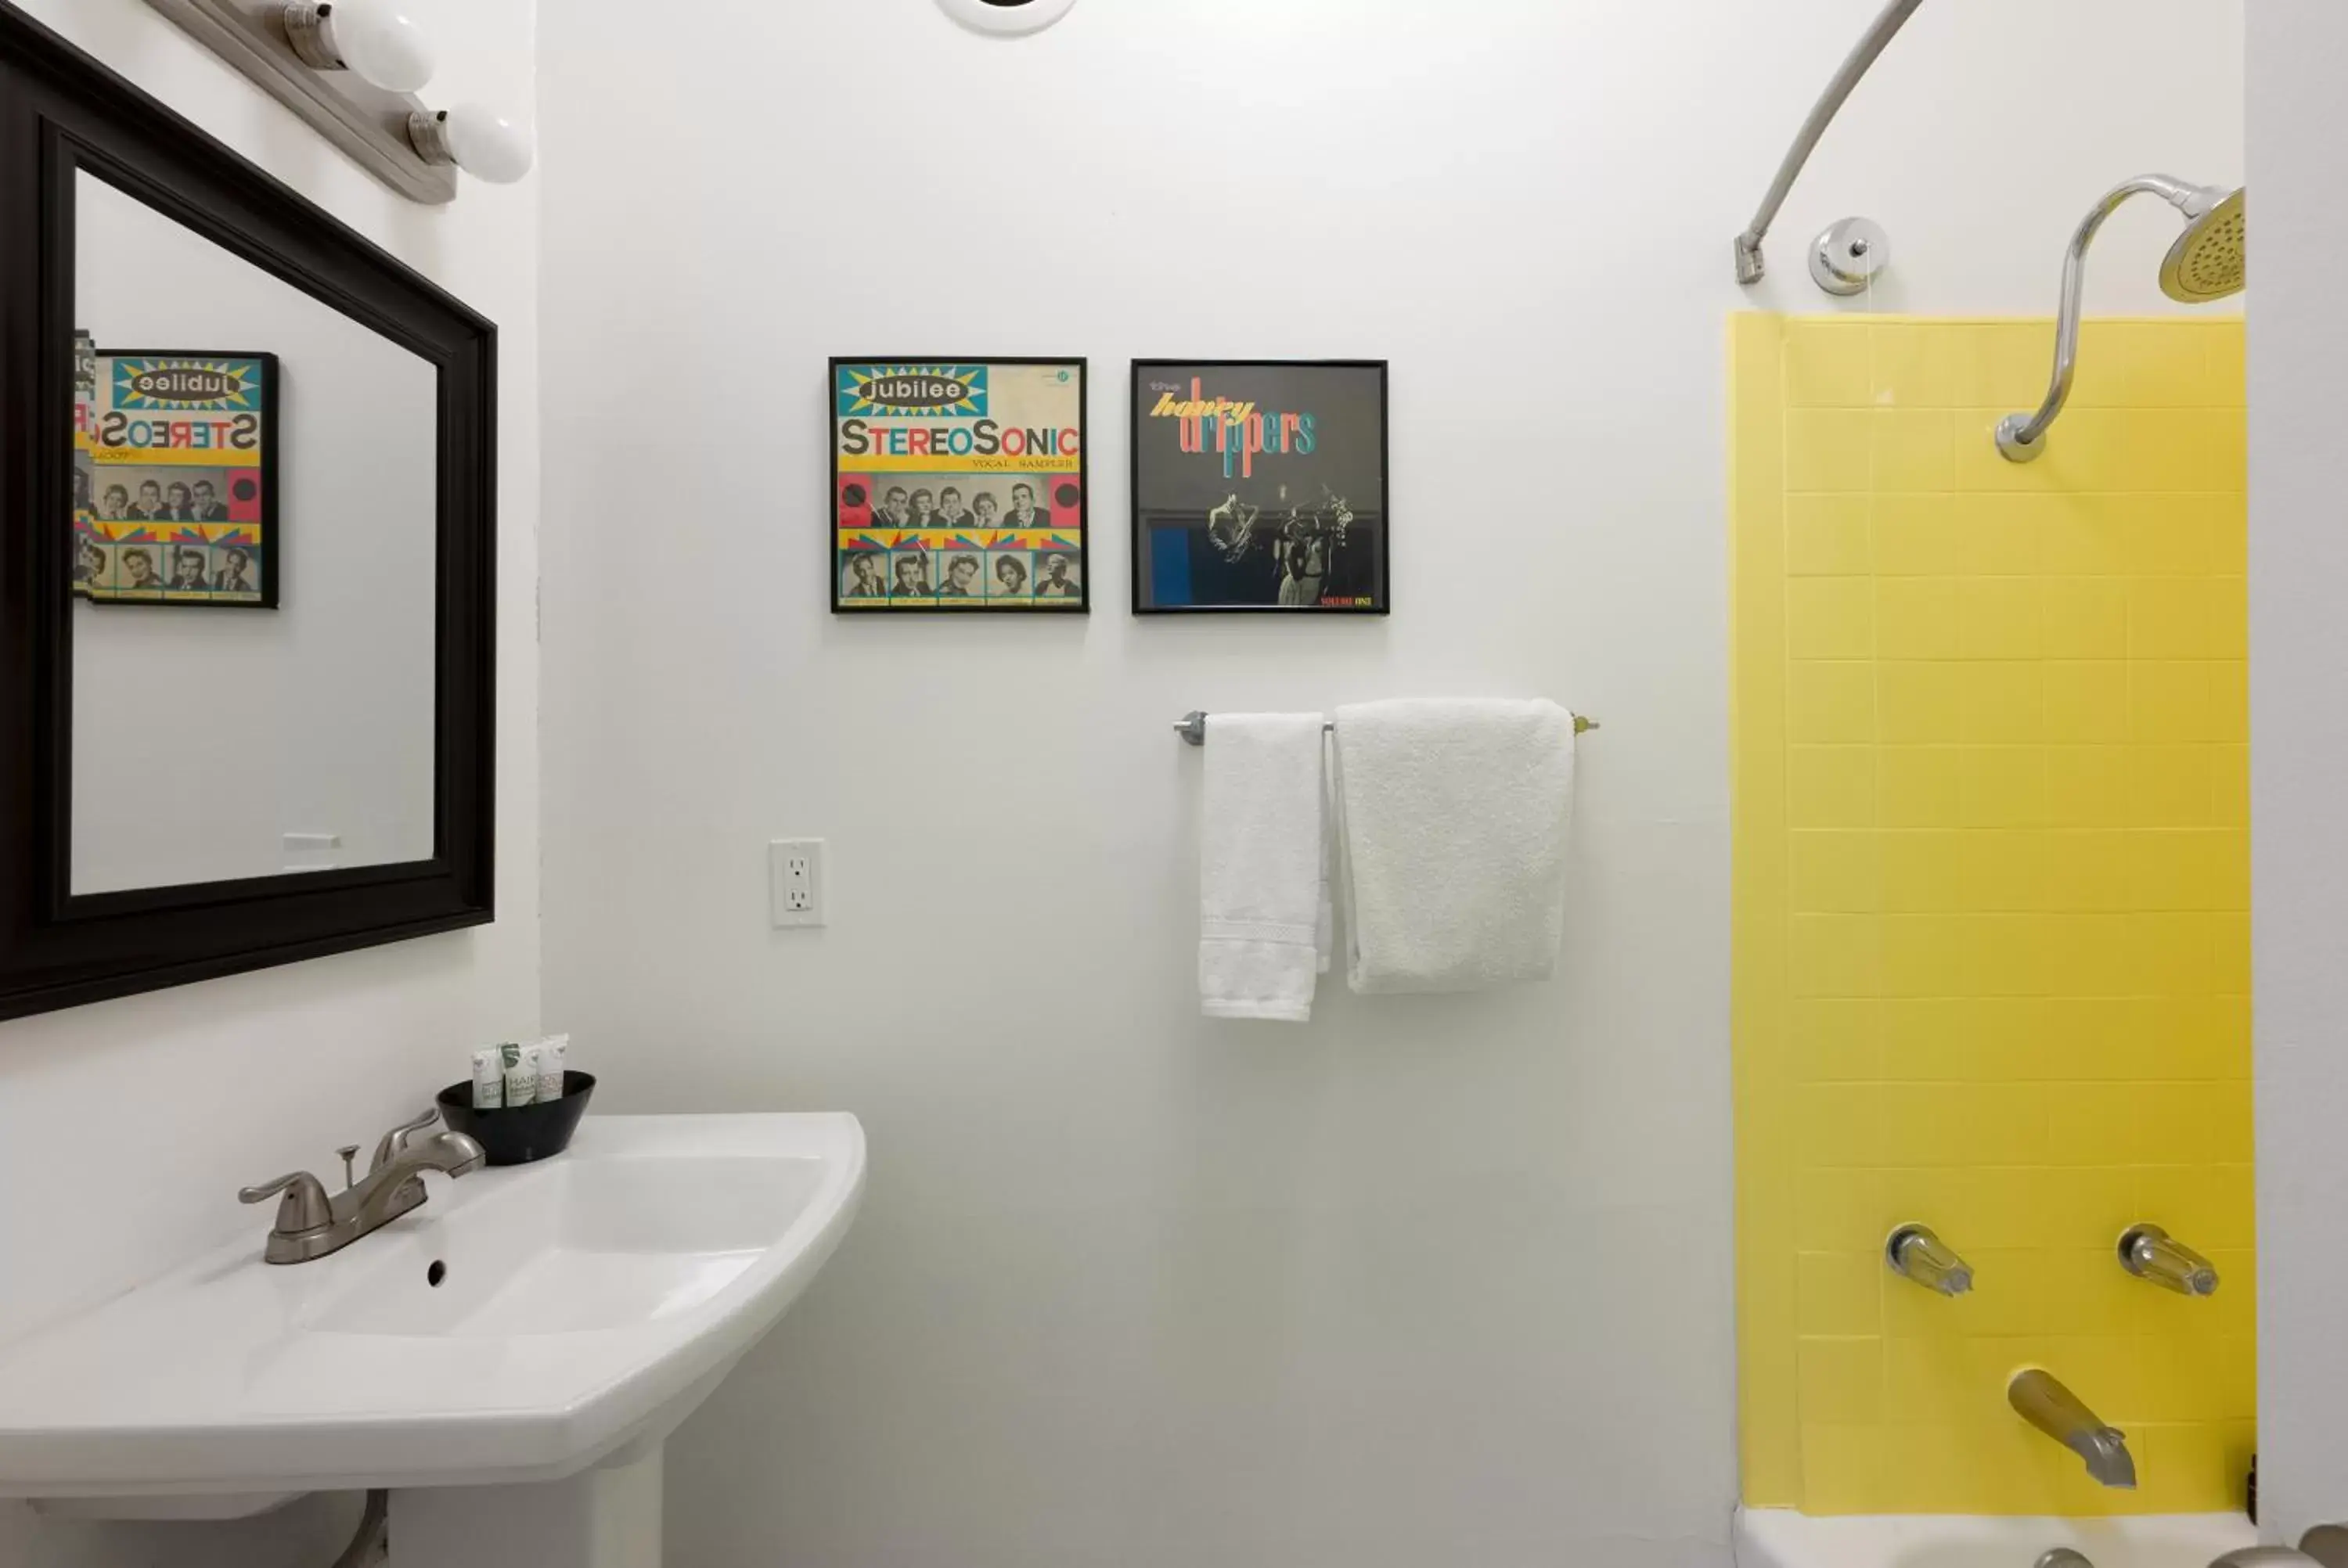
215 746
246 594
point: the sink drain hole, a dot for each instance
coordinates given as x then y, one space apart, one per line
436 1273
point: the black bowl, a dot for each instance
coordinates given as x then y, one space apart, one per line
526 1133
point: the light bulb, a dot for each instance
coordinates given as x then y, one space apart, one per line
482 142
379 43
374 40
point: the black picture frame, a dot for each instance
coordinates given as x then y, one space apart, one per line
273 521
1151 512
836 509
63 114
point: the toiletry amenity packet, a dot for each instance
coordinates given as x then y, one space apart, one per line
551 1051
489 1078
521 1074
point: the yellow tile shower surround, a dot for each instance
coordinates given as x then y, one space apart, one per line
1991 906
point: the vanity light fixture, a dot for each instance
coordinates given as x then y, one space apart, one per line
1006 15
482 142
372 39
351 70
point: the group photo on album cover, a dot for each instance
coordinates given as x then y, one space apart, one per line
1260 485
173 487
958 484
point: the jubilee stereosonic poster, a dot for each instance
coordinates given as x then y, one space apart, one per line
1260 485
173 489
958 484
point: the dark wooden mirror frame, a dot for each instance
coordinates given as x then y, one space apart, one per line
63 114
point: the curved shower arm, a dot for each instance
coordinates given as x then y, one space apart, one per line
2017 437
1749 264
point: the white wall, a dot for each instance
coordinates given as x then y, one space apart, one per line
2299 674
148 1113
1432 1279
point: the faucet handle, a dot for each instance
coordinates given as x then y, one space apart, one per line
2151 1253
387 1149
1915 1252
304 1206
2328 1545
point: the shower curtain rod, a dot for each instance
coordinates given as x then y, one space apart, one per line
1749 264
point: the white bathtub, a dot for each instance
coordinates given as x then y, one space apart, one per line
1780 1538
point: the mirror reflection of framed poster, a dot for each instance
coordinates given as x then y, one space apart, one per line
1260 485
175 479
958 484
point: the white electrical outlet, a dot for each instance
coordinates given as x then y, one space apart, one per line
795 882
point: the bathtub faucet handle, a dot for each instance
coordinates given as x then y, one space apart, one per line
1915 1252
2151 1253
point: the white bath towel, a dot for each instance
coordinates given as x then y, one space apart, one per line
1453 819
1263 868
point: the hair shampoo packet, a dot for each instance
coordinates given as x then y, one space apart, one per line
489 1078
520 1075
551 1053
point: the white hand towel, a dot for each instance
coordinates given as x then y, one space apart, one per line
1263 868
1453 819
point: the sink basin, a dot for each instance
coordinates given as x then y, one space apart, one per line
524 1325
606 1244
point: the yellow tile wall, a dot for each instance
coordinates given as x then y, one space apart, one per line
1991 898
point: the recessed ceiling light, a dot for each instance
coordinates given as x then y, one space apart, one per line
1006 15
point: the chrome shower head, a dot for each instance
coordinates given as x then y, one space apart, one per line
2207 263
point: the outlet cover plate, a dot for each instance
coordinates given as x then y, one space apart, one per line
795 882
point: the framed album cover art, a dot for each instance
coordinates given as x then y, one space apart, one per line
174 478
958 484
1260 485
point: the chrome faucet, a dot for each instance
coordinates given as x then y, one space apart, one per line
2324 1546
2054 1409
1915 1252
2151 1253
310 1224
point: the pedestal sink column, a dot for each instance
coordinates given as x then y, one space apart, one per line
608 1517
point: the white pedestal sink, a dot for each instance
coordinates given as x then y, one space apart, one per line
508 1358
